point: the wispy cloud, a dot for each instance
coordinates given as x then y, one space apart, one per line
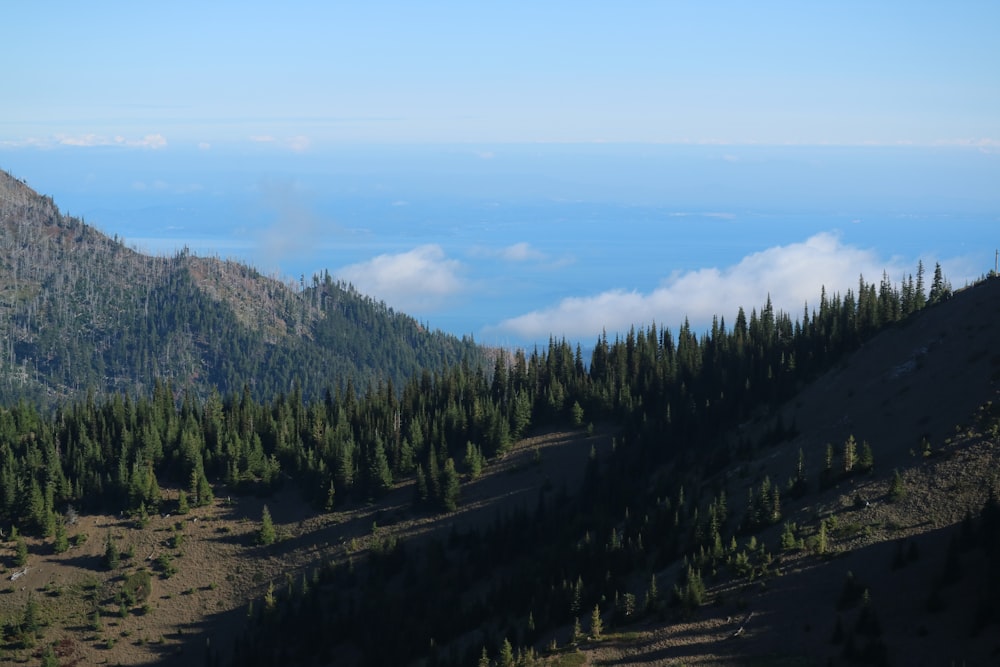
89 140
521 252
152 141
298 143
792 274
418 280
517 252
297 230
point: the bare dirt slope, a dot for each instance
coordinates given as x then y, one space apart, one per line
220 569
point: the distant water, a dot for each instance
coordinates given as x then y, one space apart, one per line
523 227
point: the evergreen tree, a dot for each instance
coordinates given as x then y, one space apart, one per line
205 495
30 623
506 654
866 459
266 534
61 541
112 558
182 502
20 552
896 487
596 625
940 290
330 502
449 486
850 452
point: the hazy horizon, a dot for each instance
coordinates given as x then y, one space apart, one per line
517 171
523 242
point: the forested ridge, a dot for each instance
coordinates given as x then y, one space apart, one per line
673 398
83 312
134 386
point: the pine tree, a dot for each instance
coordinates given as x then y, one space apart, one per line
182 503
61 541
939 290
30 623
270 600
827 476
596 625
850 451
506 654
420 491
20 552
205 495
111 556
866 459
266 535
330 498
449 486
652 594
896 488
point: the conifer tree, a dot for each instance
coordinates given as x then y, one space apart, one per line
449 486
506 654
896 488
266 535
596 625
850 451
866 459
61 541
20 552
111 555
330 502
182 502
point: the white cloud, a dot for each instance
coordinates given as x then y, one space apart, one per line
517 252
418 280
152 141
792 275
521 252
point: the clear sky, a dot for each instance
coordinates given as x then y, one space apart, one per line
306 73
520 169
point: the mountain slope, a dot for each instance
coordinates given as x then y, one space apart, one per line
925 396
81 311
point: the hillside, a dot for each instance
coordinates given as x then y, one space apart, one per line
809 492
80 311
511 511
925 396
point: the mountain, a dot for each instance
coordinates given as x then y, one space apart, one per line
80 311
777 492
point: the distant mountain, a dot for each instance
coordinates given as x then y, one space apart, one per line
81 311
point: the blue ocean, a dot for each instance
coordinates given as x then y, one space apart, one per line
498 232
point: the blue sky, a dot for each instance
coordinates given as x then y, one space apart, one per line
518 169
308 73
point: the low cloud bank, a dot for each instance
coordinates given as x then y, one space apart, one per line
418 280
792 274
